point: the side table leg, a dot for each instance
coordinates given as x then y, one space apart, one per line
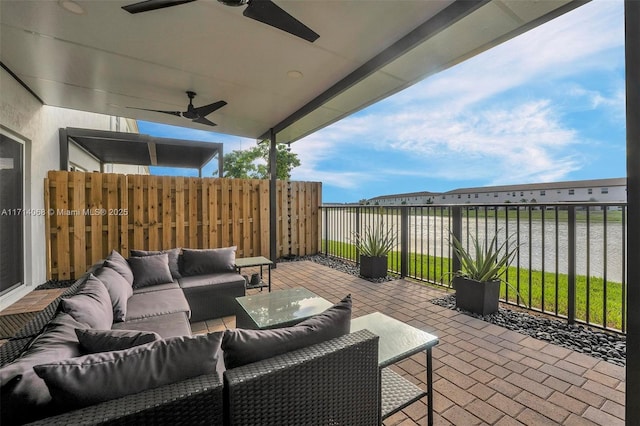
429 388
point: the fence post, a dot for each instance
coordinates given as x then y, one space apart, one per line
571 264
404 241
456 230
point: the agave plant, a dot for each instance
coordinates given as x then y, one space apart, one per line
375 241
488 261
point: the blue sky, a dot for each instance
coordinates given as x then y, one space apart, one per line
545 106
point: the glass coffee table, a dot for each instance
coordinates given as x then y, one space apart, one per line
280 308
398 341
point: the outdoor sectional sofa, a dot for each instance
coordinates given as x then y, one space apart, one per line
116 348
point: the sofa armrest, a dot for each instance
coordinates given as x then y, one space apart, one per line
194 401
334 382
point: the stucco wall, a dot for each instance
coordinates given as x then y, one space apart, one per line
23 118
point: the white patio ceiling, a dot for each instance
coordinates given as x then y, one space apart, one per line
106 59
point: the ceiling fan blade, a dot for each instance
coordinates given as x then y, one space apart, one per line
203 120
176 113
208 109
148 5
269 13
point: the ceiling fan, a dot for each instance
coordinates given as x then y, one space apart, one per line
264 11
195 114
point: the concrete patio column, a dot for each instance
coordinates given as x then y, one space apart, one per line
273 216
632 63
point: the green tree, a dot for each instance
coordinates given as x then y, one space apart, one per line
254 163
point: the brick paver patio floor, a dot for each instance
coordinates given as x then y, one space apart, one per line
483 373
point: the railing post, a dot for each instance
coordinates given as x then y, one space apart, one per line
456 230
357 233
571 265
404 241
326 231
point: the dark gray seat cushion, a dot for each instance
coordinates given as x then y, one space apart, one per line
212 295
208 261
150 270
93 341
158 287
242 347
119 291
209 280
90 379
169 325
119 264
154 303
25 396
91 304
174 255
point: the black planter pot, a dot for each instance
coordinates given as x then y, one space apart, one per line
475 296
373 266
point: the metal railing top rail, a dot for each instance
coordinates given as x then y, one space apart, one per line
511 204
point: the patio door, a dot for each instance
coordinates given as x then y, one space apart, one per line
11 213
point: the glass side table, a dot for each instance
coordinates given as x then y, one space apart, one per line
280 308
261 261
398 341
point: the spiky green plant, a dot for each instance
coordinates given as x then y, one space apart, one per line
375 241
489 261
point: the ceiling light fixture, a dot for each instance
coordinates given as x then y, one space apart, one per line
294 74
71 6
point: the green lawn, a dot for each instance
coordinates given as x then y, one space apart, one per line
550 285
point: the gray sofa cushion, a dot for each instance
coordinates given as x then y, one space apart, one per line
169 325
158 287
242 347
119 291
208 261
90 305
150 270
174 255
93 341
212 295
154 303
94 378
25 396
221 279
119 264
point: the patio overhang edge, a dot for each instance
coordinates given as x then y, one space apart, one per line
422 33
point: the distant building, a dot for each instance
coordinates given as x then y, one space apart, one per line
423 197
596 190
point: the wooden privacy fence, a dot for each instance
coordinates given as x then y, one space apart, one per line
90 214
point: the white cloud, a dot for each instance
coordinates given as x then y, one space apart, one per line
464 127
568 45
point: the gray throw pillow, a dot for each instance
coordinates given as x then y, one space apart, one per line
150 270
208 261
91 305
119 264
94 341
242 347
91 379
174 255
119 291
25 397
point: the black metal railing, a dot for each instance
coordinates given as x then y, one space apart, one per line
570 262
